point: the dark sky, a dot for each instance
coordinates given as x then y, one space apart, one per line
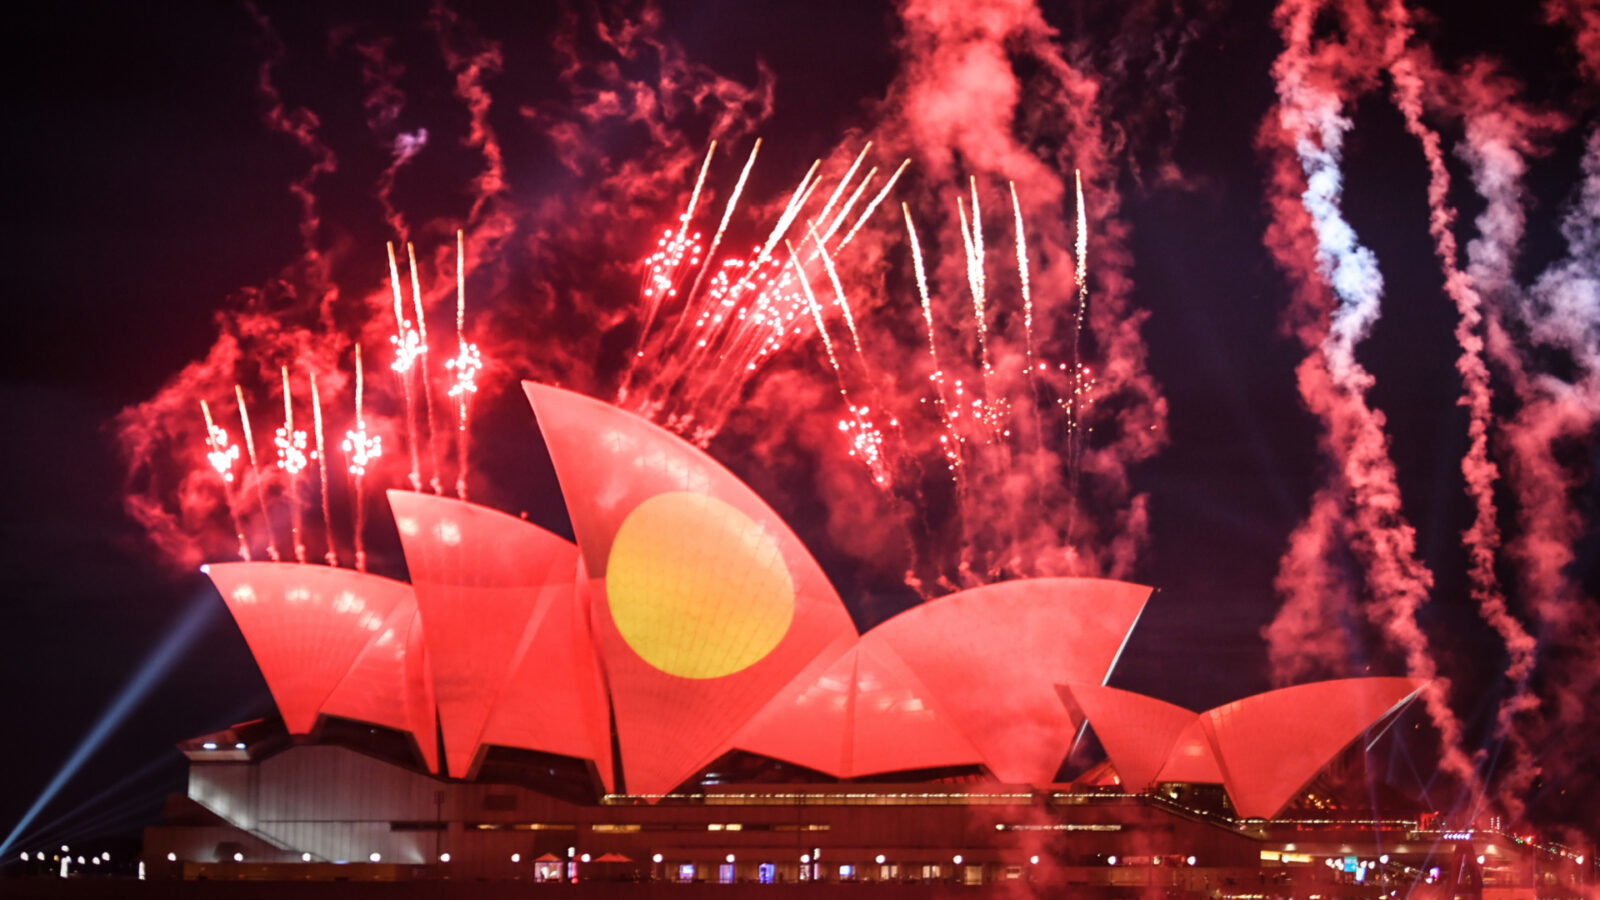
145 192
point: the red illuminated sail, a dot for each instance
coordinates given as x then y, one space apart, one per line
705 603
305 626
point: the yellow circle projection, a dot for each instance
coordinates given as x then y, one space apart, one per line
696 587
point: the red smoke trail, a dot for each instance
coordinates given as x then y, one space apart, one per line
383 103
472 62
1333 384
301 125
1407 72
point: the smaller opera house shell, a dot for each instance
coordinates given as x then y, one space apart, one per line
688 623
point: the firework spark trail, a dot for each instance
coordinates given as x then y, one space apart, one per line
663 285
424 379
844 182
1334 384
222 455
407 344
1022 275
950 441
1075 436
722 227
873 206
844 211
790 211
466 365
360 450
292 459
1483 536
321 454
866 440
255 472
838 288
972 243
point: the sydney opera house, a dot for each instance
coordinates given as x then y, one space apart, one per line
681 696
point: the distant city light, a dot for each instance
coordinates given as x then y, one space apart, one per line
584 858
516 857
1480 859
375 856
656 858
1111 860
173 857
730 857
239 745
305 857
805 859
238 857
444 857
880 859
1384 859
1190 860
24 856
957 859
209 745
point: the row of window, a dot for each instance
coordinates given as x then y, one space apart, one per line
615 827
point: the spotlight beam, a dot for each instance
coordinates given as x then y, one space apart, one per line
150 672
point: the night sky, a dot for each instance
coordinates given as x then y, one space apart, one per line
146 194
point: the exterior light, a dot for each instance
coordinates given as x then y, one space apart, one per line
584 858
730 857
1190 860
805 859
880 859
65 848
1111 860
209 745
1384 859
81 860
172 857
1033 860
571 852
999 827
656 859
24 856
957 859
238 857
305 857
375 856
444 857
516 857
1480 859
95 860
1155 860
238 745
1579 860
105 855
